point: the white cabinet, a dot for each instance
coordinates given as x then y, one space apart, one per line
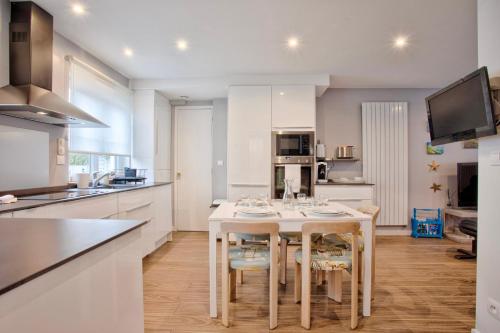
5 215
249 140
152 134
162 196
353 196
38 212
294 107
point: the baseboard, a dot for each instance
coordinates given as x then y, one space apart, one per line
393 231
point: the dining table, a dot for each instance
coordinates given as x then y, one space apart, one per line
291 219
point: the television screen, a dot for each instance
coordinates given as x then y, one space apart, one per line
467 185
462 110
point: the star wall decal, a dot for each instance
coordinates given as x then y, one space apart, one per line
434 166
435 187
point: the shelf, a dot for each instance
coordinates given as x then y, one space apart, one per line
342 160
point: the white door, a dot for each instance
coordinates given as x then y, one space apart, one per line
193 167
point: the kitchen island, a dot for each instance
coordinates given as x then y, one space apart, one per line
71 275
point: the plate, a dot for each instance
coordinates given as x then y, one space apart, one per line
256 211
326 211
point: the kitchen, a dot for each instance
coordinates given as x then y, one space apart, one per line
132 152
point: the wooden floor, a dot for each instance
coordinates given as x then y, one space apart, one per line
420 288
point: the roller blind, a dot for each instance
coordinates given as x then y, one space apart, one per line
107 101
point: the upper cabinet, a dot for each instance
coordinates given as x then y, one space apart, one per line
249 140
152 134
294 107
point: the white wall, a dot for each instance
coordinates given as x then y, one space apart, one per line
339 122
58 173
219 148
488 269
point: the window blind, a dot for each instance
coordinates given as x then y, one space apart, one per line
106 100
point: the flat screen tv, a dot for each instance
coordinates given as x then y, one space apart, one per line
463 110
467 185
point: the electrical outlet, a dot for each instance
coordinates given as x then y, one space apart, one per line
494 308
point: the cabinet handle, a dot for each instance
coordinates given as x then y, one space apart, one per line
138 207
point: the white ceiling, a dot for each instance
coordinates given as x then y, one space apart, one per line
350 40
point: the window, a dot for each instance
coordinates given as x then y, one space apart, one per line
99 149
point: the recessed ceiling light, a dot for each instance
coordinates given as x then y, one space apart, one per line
182 45
41 113
78 9
293 42
128 52
282 93
400 42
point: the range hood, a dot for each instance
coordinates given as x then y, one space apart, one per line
29 95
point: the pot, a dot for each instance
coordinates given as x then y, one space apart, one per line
345 152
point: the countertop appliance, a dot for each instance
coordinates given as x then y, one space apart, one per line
29 95
320 152
322 172
346 152
463 110
287 145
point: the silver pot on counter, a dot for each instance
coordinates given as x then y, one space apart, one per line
345 152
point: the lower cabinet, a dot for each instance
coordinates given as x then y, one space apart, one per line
152 204
5 215
353 196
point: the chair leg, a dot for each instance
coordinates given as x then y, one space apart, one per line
306 283
297 284
318 278
335 286
232 279
360 268
283 260
239 273
354 290
323 277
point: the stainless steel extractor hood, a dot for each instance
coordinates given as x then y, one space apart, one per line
29 95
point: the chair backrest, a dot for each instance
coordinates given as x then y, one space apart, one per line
271 228
337 227
370 210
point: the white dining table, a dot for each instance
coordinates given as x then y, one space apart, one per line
289 220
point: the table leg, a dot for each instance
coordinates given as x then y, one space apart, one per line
366 227
212 263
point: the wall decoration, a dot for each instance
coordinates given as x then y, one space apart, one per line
434 150
435 187
434 166
471 144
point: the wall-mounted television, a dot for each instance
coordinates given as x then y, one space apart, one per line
463 110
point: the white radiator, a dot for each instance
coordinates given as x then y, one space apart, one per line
385 158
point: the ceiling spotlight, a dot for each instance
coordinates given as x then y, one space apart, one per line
401 42
182 45
128 52
293 42
78 9
41 113
282 93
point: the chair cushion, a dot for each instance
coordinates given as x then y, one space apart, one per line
343 241
249 257
253 237
327 258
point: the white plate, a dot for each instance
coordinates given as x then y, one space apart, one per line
326 211
256 211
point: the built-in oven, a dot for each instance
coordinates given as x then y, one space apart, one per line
279 175
288 143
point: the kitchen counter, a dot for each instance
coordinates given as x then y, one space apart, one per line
331 182
28 204
30 248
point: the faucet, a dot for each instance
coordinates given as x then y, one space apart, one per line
96 180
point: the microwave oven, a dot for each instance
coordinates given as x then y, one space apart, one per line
300 144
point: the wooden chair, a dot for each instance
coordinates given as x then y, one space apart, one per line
343 240
334 261
249 258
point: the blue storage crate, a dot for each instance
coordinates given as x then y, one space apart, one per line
427 223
